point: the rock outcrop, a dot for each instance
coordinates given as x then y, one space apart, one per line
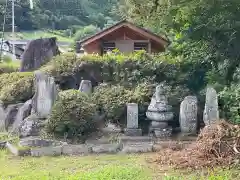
38 52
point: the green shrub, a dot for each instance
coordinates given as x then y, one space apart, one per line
6 59
8 67
230 97
73 114
113 99
85 32
134 69
16 87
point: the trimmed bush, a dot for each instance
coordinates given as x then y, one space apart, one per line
16 87
131 70
72 115
112 99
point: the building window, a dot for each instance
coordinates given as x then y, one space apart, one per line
108 46
140 46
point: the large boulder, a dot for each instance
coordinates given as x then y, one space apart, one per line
38 52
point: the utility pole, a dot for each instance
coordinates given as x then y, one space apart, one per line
3 29
13 25
13 29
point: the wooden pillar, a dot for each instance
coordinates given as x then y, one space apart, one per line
149 46
101 47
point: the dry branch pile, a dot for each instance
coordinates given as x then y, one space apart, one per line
217 145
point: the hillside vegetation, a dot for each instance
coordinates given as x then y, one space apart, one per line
60 14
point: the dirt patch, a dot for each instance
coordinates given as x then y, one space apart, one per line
216 145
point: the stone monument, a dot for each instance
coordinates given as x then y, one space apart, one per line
188 115
45 95
211 113
2 117
159 112
86 86
132 120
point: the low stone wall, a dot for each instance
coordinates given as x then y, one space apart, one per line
124 145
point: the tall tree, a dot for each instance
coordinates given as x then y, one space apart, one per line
200 29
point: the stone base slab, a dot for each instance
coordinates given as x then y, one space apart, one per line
175 145
38 142
76 150
137 148
97 141
47 151
135 139
133 132
163 133
186 137
107 148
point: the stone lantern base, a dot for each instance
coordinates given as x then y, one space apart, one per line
133 132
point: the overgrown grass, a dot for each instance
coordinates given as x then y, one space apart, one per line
70 168
102 167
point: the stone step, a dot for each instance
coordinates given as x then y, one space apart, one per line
135 139
138 148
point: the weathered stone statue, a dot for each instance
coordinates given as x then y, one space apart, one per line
86 86
188 115
159 112
132 120
211 113
38 52
45 95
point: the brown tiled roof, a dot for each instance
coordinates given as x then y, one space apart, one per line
120 24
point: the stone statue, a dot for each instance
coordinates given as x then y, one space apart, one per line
159 112
211 113
45 94
86 87
132 120
188 115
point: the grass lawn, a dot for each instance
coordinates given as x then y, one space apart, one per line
38 34
102 167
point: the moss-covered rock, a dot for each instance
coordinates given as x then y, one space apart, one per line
73 114
16 87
